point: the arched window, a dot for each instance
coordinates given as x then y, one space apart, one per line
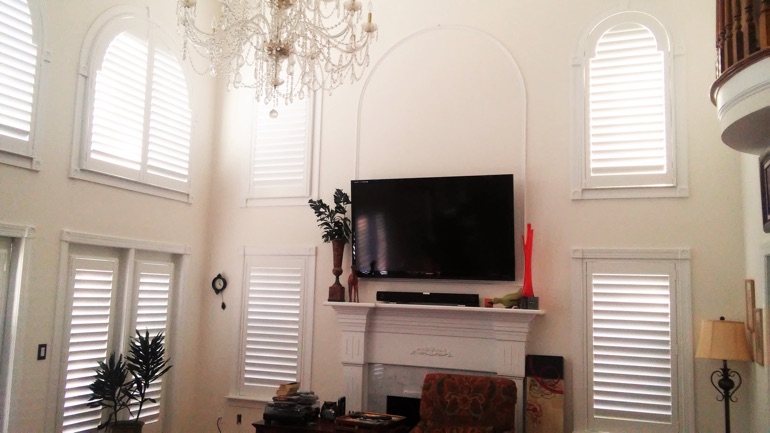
20 50
135 116
627 144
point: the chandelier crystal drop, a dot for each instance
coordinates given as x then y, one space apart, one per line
284 49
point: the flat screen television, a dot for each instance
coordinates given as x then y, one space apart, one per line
447 228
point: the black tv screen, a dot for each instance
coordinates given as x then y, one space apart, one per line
453 228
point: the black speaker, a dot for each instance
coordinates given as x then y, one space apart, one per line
455 299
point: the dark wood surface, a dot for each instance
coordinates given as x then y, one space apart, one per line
276 427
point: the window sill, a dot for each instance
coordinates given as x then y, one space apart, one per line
245 401
130 185
616 193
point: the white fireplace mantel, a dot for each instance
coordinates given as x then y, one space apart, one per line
491 340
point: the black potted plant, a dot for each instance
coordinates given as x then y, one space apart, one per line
120 385
335 228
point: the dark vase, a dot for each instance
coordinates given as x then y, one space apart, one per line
337 290
125 427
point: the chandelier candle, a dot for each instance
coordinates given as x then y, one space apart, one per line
283 49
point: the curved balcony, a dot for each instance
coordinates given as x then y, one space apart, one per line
741 91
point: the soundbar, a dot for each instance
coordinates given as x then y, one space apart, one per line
423 298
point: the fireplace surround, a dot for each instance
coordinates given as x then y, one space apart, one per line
482 340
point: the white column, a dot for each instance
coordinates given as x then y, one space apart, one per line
353 319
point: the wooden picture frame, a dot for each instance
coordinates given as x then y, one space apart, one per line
764 184
750 302
759 337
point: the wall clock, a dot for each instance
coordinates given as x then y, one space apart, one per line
219 284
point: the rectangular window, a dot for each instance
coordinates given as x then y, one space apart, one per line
277 320
283 156
636 346
112 293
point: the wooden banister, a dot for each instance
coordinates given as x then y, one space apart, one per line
742 30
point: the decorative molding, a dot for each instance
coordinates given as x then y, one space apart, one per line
431 351
116 242
636 254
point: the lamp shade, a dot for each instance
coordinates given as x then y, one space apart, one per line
723 339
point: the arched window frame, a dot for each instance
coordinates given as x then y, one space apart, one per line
25 152
675 183
102 33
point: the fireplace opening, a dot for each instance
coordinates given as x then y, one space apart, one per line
408 407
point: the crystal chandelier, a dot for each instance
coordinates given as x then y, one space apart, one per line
284 49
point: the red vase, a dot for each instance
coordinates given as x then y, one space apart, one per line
527 289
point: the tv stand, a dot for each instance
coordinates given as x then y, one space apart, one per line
428 298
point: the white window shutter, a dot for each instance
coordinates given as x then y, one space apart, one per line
272 331
92 283
632 344
170 124
628 142
139 127
18 64
152 291
282 151
117 127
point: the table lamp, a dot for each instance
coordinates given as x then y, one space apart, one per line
725 340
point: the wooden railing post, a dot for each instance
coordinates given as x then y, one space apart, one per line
720 66
727 26
738 31
764 25
749 29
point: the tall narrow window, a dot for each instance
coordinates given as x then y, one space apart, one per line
136 117
628 145
635 337
90 327
277 318
283 165
19 57
112 293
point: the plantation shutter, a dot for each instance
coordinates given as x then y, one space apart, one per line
18 64
628 142
153 288
271 338
92 283
281 151
170 124
117 128
141 122
632 344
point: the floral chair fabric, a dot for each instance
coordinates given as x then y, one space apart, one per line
459 403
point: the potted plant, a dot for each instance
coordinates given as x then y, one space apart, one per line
119 385
335 228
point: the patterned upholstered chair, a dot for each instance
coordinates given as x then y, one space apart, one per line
459 403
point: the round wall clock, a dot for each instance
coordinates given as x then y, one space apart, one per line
218 284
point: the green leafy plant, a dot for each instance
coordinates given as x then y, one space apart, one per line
333 221
120 385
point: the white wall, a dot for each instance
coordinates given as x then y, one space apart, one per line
757 266
540 39
51 202
358 138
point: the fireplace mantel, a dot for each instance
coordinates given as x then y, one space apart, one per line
491 340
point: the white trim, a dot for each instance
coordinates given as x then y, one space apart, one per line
180 258
31 159
314 164
306 315
116 242
675 106
99 36
684 352
16 307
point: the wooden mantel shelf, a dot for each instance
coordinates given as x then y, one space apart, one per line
491 340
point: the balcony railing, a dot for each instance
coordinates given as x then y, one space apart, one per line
742 36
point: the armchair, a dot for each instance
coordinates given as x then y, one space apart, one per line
459 403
